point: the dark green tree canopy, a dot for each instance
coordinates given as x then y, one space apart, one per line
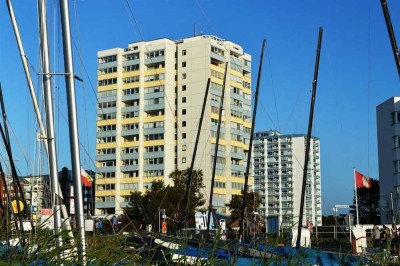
235 205
144 207
368 204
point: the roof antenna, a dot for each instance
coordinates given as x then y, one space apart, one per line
195 30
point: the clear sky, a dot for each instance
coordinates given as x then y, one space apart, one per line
357 70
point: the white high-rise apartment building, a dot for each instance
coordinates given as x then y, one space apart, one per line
278 176
388 126
150 98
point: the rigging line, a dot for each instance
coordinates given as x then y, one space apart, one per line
77 28
132 17
273 87
368 90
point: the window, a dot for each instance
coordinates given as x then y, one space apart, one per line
183 64
183 159
183 123
396 142
183 147
183 99
183 111
396 165
183 52
183 75
183 135
395 117
183 87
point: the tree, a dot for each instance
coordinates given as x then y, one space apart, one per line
235 205
144 207
368 204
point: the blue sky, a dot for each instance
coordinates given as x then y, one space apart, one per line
357 70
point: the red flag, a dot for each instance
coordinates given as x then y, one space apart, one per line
86 178
362 180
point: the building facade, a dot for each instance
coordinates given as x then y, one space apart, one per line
278 175
388 126
150 98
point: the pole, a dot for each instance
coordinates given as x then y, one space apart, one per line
310 122
56 200
392 211
246 177
335 227
43 134
73 129
221 107
355 189
392 37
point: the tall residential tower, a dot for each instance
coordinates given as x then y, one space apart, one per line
278 177
150 98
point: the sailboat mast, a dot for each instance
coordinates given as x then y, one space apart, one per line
190 174
221 107
253 122
392 37
310 123
73 128
56 199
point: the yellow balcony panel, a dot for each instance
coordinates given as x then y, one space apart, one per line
131 73
237 120
107 76
217 68
106 122
157 118
218 190
129 180
102 193
126 192
237 180
107 87
221 141
236 191
130 120
247 79
151 179
154 83
216 116
102 181
130 85
217 80
236 84
154 71
128 144
246 90
247 124
236 73
220 178
106 145
154 142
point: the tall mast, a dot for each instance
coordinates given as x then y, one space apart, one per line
190 174
221 107
310 123
56 199
253 122
392 37
73 128
24 60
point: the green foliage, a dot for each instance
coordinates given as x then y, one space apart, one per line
144 207
235 205
368 204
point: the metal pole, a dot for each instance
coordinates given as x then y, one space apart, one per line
335 226
246 174
56 200
310 123
221 107
43 134
73 129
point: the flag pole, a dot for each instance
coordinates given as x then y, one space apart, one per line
355 189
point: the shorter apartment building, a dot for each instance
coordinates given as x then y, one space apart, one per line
278 162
